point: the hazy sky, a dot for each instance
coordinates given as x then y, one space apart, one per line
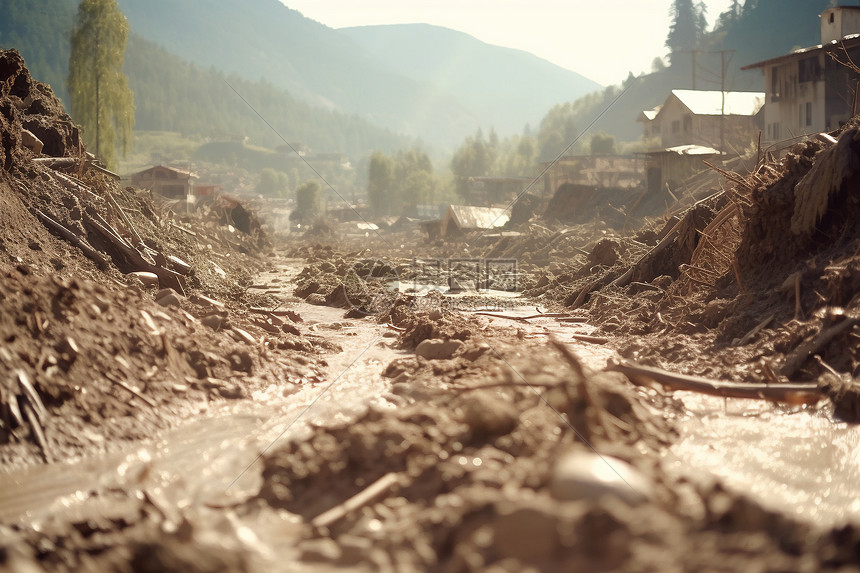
601 39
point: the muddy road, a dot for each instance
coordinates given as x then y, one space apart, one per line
625 384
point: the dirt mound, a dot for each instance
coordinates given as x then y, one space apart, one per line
118 311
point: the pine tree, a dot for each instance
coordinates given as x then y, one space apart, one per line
687 28
101 99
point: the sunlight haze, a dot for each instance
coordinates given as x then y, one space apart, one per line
603 41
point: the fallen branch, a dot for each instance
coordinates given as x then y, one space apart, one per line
788 393
591 339
130 389
370 494
72 238
805 350
749 335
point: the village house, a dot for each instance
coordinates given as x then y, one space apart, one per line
811 90
598 171
694 126
720 120
166 181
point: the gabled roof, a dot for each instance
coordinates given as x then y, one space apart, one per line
183 172
468 217
649 114
701 102
849 41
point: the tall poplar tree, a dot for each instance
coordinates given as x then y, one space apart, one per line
101 99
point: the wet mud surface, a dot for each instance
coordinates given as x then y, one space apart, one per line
186 390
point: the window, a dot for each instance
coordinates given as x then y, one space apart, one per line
676 126
688 123
773 130
655 129
774 83
808 113
832 17
808 70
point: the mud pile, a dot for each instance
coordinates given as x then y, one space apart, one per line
119 312
469 474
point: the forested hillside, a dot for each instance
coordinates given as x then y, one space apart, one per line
173 95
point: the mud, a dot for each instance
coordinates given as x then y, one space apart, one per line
182 391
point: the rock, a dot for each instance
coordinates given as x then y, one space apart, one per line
436 349
488 415
472 353
31 142
213 321
169 300
586 475
316 299
148 279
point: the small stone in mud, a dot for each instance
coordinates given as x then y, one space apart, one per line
169 300
488 415
436 349
586 475
213 321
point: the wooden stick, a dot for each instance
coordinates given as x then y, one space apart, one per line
125 386
789 393
591 339
184 230
38 431
72 238
370 494
801 354
749 335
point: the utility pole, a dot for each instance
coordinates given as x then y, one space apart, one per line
723 98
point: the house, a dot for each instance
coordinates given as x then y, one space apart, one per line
722 120
668 168
461 219
650 128
167 181
599 171
493 190
812 90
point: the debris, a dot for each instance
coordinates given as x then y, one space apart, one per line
789 393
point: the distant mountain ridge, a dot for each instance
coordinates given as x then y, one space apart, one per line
345 70
507 88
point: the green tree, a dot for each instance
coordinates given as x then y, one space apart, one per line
307 201
414 177
474 158
687 29
380 184
273 183
100 97
602 144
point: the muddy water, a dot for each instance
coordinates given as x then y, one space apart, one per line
798 462
215 459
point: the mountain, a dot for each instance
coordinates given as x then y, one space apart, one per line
263 39
364 71
507 88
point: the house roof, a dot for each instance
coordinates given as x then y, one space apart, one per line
702 102
649 114
685 150
183 172
849 41
469 217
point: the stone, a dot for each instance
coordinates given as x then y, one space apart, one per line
587 475
488 415
169 300
436 349
31 142
147 278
